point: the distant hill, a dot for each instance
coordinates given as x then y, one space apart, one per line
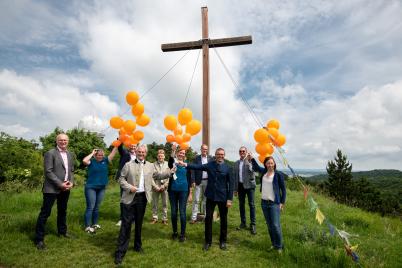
385 180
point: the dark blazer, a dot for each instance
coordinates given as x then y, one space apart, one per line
196 175
278 183
220 180
188 175
55 171
125 157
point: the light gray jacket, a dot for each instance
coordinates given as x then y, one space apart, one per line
248 175
55 171
130 176
161 175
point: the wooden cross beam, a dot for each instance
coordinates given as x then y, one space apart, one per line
205 43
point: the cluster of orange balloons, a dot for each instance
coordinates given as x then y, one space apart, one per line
268 137
183 128
128 134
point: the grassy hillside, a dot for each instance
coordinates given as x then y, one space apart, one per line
307 243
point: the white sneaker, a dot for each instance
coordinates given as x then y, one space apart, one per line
90 230
118 223
96 226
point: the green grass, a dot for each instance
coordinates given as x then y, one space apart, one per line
307 244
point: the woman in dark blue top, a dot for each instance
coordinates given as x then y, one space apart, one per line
178 189
98 170
273 197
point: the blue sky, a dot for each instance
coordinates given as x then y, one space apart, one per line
329 71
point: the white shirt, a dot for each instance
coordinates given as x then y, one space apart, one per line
204 160
141 188
65 161
267 192
241 163
132 157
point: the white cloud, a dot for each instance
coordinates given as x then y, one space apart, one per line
41 105
329 72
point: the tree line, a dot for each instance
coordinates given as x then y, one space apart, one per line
361 193
21 160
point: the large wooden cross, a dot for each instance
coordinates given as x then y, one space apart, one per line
205 43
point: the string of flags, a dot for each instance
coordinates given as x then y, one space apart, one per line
319 215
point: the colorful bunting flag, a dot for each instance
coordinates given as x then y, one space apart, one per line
331 228
319 216
305 192
313 204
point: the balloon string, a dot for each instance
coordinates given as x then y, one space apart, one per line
153 86
250 109
192 77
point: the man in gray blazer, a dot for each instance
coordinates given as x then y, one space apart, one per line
59 168
245 185
136 182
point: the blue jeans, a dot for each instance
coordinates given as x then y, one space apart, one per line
242 200
178 201
272 218
93 196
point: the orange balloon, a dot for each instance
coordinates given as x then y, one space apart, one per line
186 137
273 124
184 146
264 148
127 143
138 109
170 138
193 127
132 97
123 137
178 130
138 135
185 115
122 131
261 158
116 122
273 132
178 139
129 126
143 120
280 140
261 135
170 122
116 143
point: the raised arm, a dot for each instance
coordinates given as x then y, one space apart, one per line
87 159
256 167
112 154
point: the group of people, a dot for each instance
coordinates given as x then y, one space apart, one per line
213 182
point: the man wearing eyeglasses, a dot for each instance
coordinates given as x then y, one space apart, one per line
219 192
244 185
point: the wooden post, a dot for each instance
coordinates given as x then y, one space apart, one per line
205 79
204 44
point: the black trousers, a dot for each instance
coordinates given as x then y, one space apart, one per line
45 211
223 211
133 212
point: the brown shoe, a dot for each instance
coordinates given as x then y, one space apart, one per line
154 221
164 222
193 221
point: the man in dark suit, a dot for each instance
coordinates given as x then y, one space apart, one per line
199 181
244 185
126 155
219 193
59 168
